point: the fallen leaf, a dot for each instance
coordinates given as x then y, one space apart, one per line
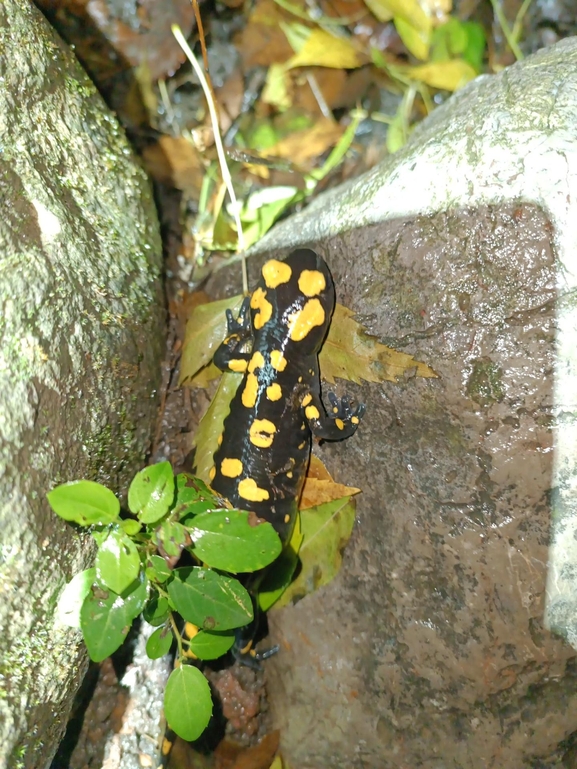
211 425
416 40
262 41
320 488
350 353
303 146
323 49
205 330
326 530
174 161
259 756
446 75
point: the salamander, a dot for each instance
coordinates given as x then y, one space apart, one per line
262 458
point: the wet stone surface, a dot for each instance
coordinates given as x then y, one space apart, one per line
429 649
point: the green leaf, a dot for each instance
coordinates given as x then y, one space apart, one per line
159 643
172 536
192 497
105 621
210 427
130 526
205 330
209 600
72 598
187 702
161 570
151 492
326 529
135 596
117 562
278 578
84 502
416 39
210 646
476 43
234 540
156 610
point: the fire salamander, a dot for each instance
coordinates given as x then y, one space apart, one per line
264 449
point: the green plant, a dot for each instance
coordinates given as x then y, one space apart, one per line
134 574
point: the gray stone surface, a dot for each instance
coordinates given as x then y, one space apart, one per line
80 344
431 647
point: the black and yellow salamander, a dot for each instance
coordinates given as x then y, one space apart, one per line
264 449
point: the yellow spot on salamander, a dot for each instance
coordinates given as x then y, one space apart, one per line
190 630
312 412
250 391
340 424
301 322
248 489
261 433
312 282
275 273
258 302
355 420
302 445
219 440
307 399
287 518
278 360
212 473
166 746
238 365
274 392
289 474
257 361
232 468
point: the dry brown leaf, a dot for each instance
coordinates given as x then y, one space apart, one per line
308 144
229 97
320 488
174 161
262 42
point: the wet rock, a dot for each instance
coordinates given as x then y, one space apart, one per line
430 648
82 323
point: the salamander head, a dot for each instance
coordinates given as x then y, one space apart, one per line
295 299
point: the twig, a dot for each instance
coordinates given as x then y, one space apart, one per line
226 177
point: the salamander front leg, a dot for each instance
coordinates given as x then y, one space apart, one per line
229 355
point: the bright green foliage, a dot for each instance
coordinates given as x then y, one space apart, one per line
207 645
134 573
209 600
156 611
152 492
231 541
106 617
117 561
84 502
187 702
159 643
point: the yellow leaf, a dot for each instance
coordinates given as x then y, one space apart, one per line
447 75
409 10
350 353
205 330
276 89
417 41
321 49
